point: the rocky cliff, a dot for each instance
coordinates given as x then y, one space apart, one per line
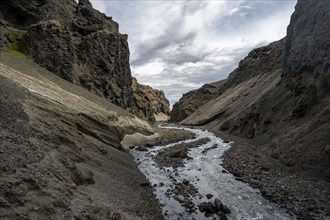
76 42
277 100
151 103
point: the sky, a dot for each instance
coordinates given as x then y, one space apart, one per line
179 45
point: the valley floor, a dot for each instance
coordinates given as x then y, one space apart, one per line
307 197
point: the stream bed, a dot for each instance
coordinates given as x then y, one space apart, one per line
183 182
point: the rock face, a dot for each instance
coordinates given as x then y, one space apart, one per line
307 47
307 56
150 103
277 100
79 44
4 35
98 60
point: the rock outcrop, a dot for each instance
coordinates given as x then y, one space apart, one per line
298 104
4 35
77 43
307 56
151 104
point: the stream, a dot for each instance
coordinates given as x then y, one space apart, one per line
182 189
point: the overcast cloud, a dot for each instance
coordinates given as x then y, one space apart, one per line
177 46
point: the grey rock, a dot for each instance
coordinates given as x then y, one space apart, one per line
207 207
209 196
221 207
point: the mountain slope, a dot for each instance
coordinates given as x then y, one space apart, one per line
192 100
259 63
276 105
274 93
60 150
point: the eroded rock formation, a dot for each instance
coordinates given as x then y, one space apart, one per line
150 103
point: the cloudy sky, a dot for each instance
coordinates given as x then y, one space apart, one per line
179 45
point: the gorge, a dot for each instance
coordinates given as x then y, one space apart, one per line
80 137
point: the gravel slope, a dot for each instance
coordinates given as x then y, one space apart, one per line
62 160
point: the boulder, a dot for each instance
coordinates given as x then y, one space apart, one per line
221 207
179 153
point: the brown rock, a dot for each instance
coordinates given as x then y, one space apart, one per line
141 148
178 153
221 207
209 196
151 104
82 175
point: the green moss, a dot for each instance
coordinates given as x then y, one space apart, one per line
13 48
13 53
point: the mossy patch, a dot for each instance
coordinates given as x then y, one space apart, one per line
14 53
14 48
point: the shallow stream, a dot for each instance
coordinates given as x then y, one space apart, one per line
205 172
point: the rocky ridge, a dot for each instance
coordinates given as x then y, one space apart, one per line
192 100
77 43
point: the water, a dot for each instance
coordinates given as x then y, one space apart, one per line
205 173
